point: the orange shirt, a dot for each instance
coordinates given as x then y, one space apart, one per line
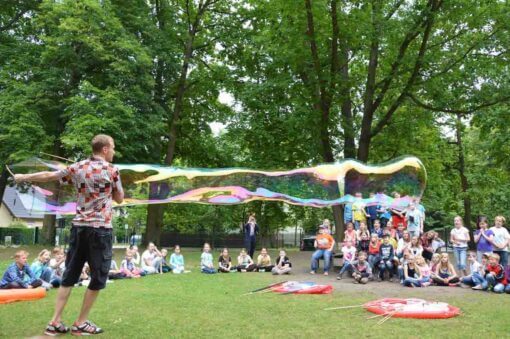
324 241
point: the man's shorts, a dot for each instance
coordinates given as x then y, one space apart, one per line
91 245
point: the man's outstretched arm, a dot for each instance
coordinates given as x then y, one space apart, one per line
37 177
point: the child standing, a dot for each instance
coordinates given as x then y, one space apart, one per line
206 260
501 239
283 265
177 261
483 238
459 237
14 276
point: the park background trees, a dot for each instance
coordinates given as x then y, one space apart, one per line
308 82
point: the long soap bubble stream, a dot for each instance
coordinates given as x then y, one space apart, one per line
320 186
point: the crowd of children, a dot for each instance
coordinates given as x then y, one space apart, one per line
413 258
369 253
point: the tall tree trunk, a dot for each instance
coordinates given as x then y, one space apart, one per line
462 172
155 212
3 184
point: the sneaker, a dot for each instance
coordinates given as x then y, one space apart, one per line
87 328
326 273
312 272
477 287
339 277
425 284
363 280
54 329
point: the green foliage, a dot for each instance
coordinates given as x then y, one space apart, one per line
20 233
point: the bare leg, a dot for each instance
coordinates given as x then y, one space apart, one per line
88 300
62 297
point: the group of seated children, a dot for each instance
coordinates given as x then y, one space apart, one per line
415 261
45 271
244 262
48 268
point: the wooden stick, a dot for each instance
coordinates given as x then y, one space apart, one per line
265 288
56 156
377 315
386 318
342 307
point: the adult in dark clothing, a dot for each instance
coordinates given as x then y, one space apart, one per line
251 229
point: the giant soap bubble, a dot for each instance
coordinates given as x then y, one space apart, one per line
319 186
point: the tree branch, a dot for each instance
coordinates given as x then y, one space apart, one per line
435 5
457 111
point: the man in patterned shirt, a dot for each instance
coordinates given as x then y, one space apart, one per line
97 182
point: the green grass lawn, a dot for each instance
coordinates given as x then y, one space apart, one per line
199 305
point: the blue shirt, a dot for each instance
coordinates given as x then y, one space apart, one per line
176 260
372 210
38 268
347 212
17 275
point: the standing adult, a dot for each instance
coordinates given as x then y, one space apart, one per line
97 182
251 229
501 240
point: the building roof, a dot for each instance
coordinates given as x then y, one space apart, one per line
12 201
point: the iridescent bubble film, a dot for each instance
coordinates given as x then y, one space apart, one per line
319 186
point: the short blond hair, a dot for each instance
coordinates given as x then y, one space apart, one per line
100 141
20 253
495 256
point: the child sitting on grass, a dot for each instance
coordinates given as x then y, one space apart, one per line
362 271
412 274
225 262
425 271
349 254
17 272
264 261
41 268
283 265
476 272
164 268
128 266
495 278
245 263
58 265
206 260
445 274
177 261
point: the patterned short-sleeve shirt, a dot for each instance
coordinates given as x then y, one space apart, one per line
95 181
